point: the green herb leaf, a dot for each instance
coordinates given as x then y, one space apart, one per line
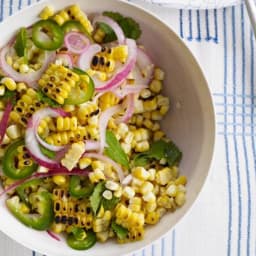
120 231
114 150
159 149
21 42
109 205
96 197
129 26
42 97
47 152
9 95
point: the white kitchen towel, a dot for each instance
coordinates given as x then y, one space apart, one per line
223 220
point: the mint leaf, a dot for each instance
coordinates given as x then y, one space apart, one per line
96 197
159 149
120 231
114 150
21 42
109 205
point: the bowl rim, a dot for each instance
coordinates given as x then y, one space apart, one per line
198 69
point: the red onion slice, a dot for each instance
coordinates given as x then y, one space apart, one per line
110 22
122 74
65 59
123 91
84 61
29 78
60 171
4 120
76 42
52 235
145 68
129 103
103 122
91 145
32 138
103 158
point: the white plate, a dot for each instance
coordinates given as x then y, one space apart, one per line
195 4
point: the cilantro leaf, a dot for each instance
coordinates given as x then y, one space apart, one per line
114 150
159 149
21 42
96 197
110 204
120 231
42 97
129 26
9 95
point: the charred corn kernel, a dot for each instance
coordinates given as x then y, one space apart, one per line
120 53
148 124
86 110
97 165
107 194
145 93
146 187
96 176
9 83
135 204
152 218
150 105
13 131
102 63
128 192
138 106
84 162
182 180
66 123
111 185
180 198
94 120
142 146
73 155
60 180
2 90
140 173
23 158
24 208
171 190
108 100
149 197
158 135
46 13
155 86
163 176
159 74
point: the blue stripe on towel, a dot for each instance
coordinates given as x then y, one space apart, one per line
230 219
198 38
234 76
244 141
190 36
173 243
181 24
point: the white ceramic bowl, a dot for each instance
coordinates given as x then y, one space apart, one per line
190 122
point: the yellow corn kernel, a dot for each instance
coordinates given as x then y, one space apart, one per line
145 93
155 86
164 109
2 90
2 105
6 140
69 108
163 176
135 204
120 53
57 228
146 187
102 236
180 198
171 190
24 69
9 60
158 135
140 173
165 201
138 106
148 124
150 105
84 162
152 218
13 131
159 74
107 194
128 192
182 180
96 176
21 87
98 165
149 197
150 206
9 83
162 101
60 180
111 185
142 146
99 35
46 13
